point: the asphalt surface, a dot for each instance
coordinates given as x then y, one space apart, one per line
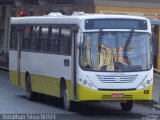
156 89
14 102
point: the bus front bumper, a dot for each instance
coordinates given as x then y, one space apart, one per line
86 94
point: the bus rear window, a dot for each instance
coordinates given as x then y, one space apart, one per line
115 24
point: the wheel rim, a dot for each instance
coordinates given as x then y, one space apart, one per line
66 100
28 89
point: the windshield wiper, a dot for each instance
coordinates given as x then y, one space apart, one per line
128 40
100 43
100 40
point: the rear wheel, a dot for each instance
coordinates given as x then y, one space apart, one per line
127 106
29 94
66 101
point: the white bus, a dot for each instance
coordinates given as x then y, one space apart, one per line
83 57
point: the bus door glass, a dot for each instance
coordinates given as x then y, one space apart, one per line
74 59
20 35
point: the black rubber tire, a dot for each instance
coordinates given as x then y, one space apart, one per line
127 106
29 93
67 103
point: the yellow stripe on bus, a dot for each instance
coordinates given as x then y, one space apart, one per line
42 84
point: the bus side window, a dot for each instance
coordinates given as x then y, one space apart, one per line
14 37
53 38
27 37
44 38
35 33
65 41
38 39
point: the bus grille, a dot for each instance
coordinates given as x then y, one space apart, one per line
131 89
117 79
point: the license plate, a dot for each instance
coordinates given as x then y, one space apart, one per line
117 95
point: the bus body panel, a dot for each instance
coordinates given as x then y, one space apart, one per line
47 69
94 95
13 67
116 80
44 70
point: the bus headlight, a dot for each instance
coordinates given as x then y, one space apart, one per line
144 84
88 84
148 82
84 82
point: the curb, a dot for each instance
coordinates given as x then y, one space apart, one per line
152 103
157 106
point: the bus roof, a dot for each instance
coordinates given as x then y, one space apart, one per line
57 18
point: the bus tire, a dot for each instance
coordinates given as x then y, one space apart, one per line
127 106
29 94
66 101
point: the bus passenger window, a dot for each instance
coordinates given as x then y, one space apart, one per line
14 37
35 38
44 39
27 37
52 47
65 41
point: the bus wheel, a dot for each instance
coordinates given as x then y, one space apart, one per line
67 102
127 106
29 94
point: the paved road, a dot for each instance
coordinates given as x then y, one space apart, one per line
13 101
156 89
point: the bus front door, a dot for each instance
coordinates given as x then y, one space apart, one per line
19 56
74 63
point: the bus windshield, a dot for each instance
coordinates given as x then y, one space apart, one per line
115 51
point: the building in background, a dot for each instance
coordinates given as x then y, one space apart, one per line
12 8
146 8
15 8
107 57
